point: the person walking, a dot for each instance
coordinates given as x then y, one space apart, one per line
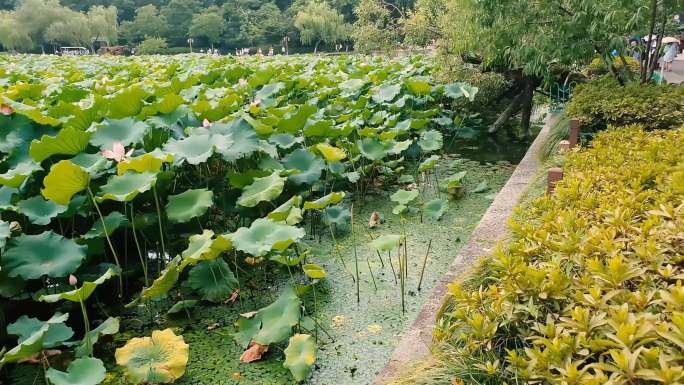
671 51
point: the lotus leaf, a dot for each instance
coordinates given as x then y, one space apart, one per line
93 164
82 371
352 85
124 188
406 179
7 195
235 140
126 131
285 141
161 358
24 327
69 141
308 165
188 204
272 323
262 190
300 356
182 306
213 280
80 294
194 149
167 279
5 232
399 209
418 86
290 211
63 181
204 247
11 287
112 221
47 253
16 176
296 121
40 211
336 215
34 343
430 140
386 94
481 187
265 235
386 242
110 326
371 148
404 197
313 271
399 147
435 208
149 162
429 163
331 199
269 90
331 153
457 90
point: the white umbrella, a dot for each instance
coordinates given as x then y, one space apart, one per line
653 38
670 39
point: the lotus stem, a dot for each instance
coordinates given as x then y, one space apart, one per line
159 220
394 274
143 259
313 286
356 257
371 273
109 241
401 279
420 282
382 264
86 324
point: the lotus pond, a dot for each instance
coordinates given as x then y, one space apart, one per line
204 220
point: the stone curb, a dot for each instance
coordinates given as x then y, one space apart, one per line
492 228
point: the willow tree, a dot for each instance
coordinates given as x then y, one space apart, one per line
319 23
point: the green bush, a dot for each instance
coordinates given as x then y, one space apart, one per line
604 102
491 85
151 45
589 290
598 66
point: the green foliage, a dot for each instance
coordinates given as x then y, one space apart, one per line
491 85
160 358
580 295
82 371
300 355
318 23
375 28
151 45
603 102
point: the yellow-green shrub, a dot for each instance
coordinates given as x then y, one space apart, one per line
589 291
598 66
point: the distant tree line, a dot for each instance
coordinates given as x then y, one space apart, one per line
43 25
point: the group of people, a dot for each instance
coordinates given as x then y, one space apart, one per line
669 50
259 52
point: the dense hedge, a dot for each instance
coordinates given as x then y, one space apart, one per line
491 85
590 289
604 102
598 66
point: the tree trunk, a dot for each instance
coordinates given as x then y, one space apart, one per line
625 68
656 54
646 59
508 113
527 103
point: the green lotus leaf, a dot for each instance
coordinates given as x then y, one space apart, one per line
182 306
269 90
149 162
40 211
386 93
34 343
430 140
80 294
331 153
5 232
112 221
418 86
109 327
399 147
371 148
398 209
337 215
406 179
188 204
68 141
161 358
47 253
213 280
429 163
404 197
265 235
313 271
386 242
285 141
16 176
204 247
126 131
300 356
166 281
352 177
481 187
234 140
308 165
296 121
82 371
11 287
319 127
124 188
435 208
352 85
289 212
272 323
194 149
331 199
7 195
24 327
63 181
93 164
458 90
263 189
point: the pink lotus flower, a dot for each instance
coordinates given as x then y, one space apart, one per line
242 82
255 103
117 153
206 123
6 110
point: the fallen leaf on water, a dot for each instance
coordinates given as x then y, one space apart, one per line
374 328
236 376
253 353
249 314
233 297
213 326
338 320
374 218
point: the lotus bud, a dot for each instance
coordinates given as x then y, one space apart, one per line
72 280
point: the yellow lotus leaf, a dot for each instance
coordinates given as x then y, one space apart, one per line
64 180
331 153
161 358
149 162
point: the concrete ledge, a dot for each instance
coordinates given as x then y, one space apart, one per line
492 228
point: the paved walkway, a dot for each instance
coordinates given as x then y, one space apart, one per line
677 74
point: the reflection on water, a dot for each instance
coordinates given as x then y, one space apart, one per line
489 148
